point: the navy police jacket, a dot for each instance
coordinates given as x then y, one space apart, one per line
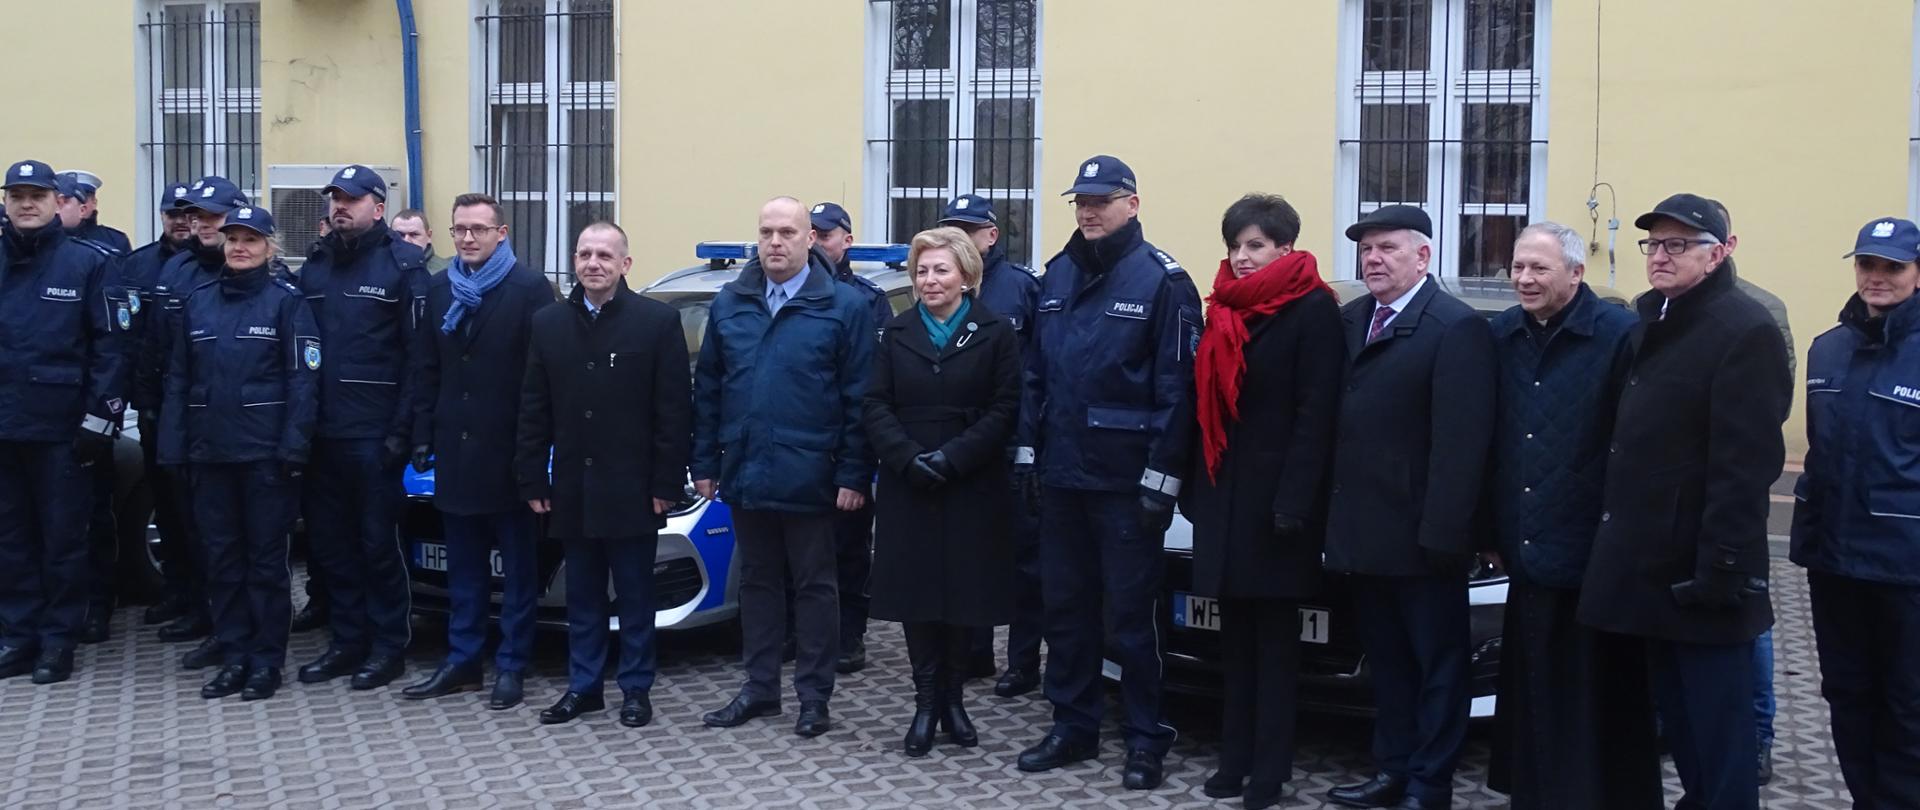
62 326
1857 505
778 396
368 292
242 375
875 298
140 274
1011 291
1107 403
1551 431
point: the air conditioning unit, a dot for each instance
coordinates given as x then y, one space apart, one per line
293 195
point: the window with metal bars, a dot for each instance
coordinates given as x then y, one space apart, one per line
548 114
953 108
202 93
1443 108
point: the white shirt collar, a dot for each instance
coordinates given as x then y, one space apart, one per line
1400 304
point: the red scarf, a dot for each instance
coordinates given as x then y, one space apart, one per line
1221 362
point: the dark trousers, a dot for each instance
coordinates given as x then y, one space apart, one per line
1260 655
173 515
1023 635
1706 711
1868 635
470 541
1415 635
103 540
853 567
353 506
45 496
628 561
773 548
245 512
1102 572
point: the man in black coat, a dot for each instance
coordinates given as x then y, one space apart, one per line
480 318
607 397
1681 556
1415 426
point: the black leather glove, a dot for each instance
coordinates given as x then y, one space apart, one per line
1026 487
1717 588
1447 562
1156 513
422 458
290 471
1287 526
938 461
393 451
922 475
90 448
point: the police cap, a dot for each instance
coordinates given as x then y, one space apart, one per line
32 173
214 195
969 209
172 194
1103 175
826 216
1890 238
80 184
258 220
358 181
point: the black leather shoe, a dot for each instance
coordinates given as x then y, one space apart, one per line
186 628
331 664
1380 791
1143 770
261 684
1016 682
378 671
228 681
570 706
1260 796
1223 784
1056 751
207 654
852 660
813 720
16 661
54 666
636 710
166 610
311 617
507 691
98 626
739 711
447 680
1766 767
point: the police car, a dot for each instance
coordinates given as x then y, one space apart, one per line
694 569
1333 669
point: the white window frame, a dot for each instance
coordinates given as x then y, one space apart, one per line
156 102
571 96
1454 89
961 86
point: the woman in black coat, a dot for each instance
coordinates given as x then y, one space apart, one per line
940 409
1267 379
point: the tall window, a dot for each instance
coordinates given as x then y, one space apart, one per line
1442 108
953 108
202 94
548 114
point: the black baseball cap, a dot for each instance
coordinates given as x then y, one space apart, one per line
1103 175
826 216
1392 218
1691 210
969 209
358 181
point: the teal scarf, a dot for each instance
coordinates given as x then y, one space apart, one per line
942 331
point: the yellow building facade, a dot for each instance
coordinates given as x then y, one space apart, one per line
677 119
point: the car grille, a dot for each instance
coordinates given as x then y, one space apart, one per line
675 583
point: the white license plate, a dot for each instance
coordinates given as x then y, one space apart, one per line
1203 613
433 557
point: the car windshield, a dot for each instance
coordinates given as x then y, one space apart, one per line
693 322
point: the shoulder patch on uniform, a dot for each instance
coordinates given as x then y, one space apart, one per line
286 285
310 353
1022 268
1167 261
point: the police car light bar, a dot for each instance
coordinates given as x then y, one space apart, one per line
884 254
736 251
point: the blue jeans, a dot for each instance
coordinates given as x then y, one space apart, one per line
1763 704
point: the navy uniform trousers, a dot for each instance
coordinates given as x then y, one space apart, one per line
1868 635
245 512
470 541
181 556
1097 554
629 562
353 507
45 497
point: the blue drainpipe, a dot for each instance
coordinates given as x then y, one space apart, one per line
410 70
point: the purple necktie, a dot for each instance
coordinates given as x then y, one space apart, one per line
1380 315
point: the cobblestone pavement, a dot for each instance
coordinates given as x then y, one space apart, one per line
131 731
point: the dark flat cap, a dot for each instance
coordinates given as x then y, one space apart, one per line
1392 218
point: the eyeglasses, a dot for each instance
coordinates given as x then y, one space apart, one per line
463 232
1098 203
1674 246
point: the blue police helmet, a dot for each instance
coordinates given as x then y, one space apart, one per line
826 216
214 195
32 173
258 220
358 181
969 209
173 194
1103 175
1889 238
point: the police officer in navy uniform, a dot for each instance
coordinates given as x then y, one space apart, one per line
138 273
1106 423
205 207
240 407
60 404
80 211
853 531
1010 291
368 292
1853 525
